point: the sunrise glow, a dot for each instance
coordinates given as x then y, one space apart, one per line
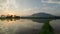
11 13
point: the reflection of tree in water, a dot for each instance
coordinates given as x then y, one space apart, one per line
10 19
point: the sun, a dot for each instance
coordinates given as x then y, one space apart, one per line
11 13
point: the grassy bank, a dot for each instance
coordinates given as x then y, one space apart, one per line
46 29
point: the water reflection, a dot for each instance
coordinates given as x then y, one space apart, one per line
25 26
11 19
19 26
47 29
41 20
56 25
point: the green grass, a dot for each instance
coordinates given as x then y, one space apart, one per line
46 28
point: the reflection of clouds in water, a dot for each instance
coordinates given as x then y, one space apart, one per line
22 25
7 27
56 24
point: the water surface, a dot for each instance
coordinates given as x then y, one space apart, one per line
26 26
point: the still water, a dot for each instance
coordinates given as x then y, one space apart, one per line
26 26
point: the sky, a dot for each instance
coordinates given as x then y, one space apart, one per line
29 7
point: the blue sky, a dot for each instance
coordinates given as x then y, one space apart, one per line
29 7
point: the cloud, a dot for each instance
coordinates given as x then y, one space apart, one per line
30 11
47 9
51 1
29 7
2 1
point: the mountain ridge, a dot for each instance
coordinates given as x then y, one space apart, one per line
42 15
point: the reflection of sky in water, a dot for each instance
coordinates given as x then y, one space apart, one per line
22 25
56 24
